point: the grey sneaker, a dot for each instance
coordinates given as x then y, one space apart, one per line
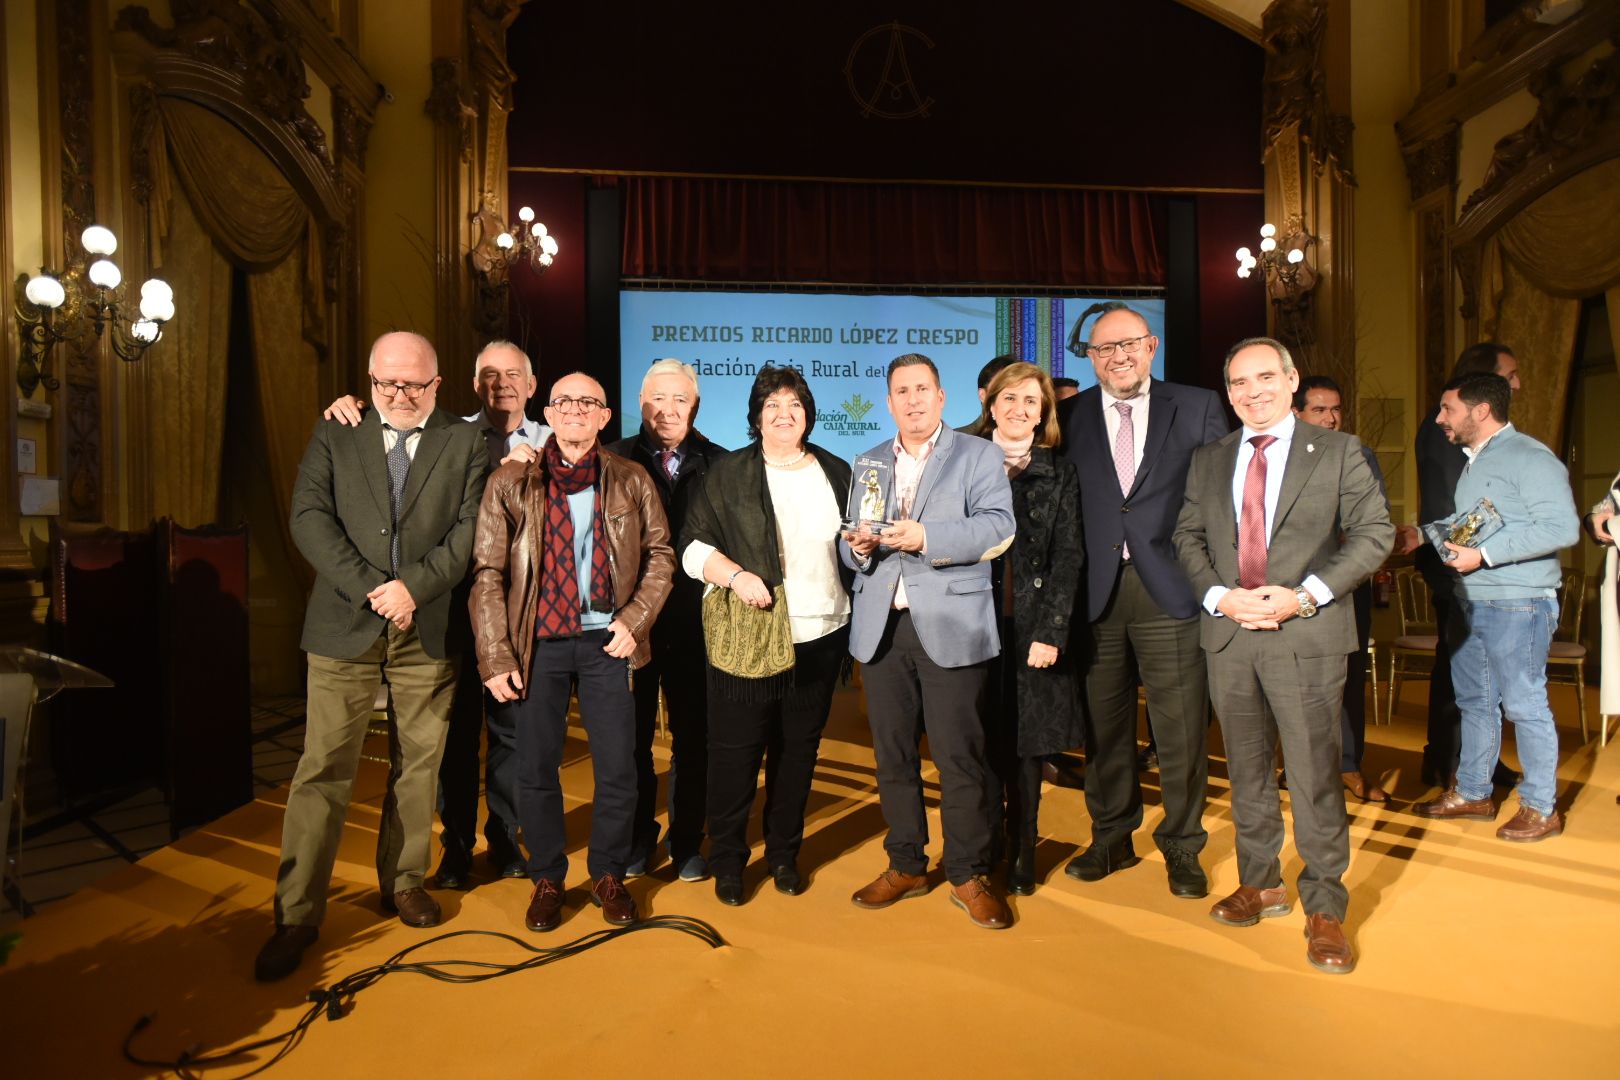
694 868
644 863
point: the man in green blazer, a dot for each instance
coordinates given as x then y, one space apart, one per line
385 512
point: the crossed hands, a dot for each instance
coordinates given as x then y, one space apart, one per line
394 602
1265 608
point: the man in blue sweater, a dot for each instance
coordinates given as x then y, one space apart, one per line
1507 603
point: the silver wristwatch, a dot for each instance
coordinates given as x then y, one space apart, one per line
1307 602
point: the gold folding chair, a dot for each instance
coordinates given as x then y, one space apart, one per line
1566 660
1412 654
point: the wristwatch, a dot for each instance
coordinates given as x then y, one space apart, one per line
1307 602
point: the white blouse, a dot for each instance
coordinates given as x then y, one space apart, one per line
807 523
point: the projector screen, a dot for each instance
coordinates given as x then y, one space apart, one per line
843 345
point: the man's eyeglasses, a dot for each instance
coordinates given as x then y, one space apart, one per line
411 390
577 404
1130 346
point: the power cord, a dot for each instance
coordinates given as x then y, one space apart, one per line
335 1001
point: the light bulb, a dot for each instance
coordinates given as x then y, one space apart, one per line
1243 271
157 309
503 240
44 291
545 259
537 230
1243 254
156 289
99 240
526 214
145 330
1268 229
548 244
105 274
1251 262
1268 244
1296 256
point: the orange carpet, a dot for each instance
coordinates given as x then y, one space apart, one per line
1476 957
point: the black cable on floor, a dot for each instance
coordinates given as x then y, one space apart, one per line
335 1001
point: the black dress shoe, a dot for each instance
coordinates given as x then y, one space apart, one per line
788 879
1187 879
281 954
1021 872
728 889
508 862
453 872
1097 862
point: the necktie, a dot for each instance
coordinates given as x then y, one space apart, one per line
666 458
1125 457
399 466
1252 527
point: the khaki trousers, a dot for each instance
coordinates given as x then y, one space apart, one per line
342 694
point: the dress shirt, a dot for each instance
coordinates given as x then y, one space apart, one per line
391 436
908 473
530 432
1139 421
1276 466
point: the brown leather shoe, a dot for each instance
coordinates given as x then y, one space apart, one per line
1453 805
545 907
618 906
1529 825
1248 906
281 954
1356 784
976 897
890 887
1326 947
414 907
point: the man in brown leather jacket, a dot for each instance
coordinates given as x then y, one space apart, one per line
571 564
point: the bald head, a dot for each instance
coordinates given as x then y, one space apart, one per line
577 410
404 378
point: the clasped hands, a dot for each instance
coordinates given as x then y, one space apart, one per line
394 602
1265 608
901 536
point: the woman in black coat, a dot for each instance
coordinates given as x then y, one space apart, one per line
1035 707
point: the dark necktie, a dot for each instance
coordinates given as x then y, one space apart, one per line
1252 527
399 466
666 458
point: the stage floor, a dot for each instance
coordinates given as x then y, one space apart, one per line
1477 957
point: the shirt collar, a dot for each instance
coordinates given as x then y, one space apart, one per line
1138 398
482 419
1283 430
928 447
1472 454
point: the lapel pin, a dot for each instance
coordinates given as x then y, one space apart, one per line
1310 448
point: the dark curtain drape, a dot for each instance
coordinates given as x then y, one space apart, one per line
888 234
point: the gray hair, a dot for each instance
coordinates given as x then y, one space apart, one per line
1276 346
420 343
501 343
671 366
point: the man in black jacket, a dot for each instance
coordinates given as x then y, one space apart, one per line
676 456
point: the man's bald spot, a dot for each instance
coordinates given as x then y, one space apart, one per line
601 394
397 341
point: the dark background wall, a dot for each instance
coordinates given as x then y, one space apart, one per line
1146 94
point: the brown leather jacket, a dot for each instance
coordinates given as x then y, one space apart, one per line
506 555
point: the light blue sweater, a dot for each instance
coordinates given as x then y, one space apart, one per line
1530 488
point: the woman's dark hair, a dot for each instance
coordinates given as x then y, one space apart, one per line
770 380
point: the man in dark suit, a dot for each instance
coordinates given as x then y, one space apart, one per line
385 512
1440 465
676 455
1281 521
1130 438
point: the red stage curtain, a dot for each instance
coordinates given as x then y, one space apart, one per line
888 234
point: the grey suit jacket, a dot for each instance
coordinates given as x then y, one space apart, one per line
1332 521
965 504
341 523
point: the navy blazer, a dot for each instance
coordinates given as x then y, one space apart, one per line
1180 420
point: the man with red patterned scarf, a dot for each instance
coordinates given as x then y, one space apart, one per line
571 564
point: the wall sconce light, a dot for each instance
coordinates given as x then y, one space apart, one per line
500 247
54 308
1284 266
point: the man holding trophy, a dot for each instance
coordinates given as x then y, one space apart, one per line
1515 513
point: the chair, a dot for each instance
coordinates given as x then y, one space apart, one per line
1372 675
1411 654
1566 660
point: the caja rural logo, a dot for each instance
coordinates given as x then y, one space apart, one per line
852 421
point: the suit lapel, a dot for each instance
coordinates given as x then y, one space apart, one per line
367 442
933 465
1161 417
1303 455
1223 519
435 435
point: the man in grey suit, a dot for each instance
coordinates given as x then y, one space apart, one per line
385 512
1274 538
924 627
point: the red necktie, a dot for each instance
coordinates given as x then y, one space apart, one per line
1252 525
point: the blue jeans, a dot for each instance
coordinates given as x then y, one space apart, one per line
1501 664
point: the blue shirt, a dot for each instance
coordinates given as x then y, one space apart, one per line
582 507
528 432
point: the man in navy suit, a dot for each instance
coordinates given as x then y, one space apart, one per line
1131 438
923 626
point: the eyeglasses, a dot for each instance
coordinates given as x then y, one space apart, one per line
576 404
412 390
1130 346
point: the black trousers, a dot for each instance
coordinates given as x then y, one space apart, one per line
908 695
608 710
1135 637
1015 782
458 772
678 665
786 734
1353 717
